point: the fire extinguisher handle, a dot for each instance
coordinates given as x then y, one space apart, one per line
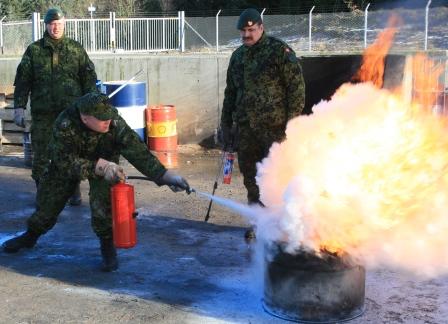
134 214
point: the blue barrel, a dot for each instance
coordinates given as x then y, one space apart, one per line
130 103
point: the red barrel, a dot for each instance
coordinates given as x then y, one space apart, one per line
161 127
167 158
123 215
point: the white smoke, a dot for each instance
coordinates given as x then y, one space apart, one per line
366 173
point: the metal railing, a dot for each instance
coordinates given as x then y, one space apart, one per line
128 34
420 29
98 34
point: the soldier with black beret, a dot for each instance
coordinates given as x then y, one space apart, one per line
264 89
88 139
54 71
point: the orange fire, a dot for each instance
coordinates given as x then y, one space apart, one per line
426 81
372 68
366 173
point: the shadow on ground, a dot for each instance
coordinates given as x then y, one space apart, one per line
192 266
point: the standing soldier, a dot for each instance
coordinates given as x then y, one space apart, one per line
265 89
55 70
88 139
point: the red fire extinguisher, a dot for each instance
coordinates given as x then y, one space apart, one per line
123 215
228 167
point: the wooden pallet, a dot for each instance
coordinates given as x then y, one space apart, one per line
11 134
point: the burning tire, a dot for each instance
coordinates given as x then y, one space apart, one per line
308 288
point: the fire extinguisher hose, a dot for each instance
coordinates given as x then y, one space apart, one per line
138 178
189 190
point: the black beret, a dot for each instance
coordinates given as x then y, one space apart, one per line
248 18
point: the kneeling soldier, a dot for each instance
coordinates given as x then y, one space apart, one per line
88 139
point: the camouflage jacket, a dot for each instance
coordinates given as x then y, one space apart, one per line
55 75
75 149
265 85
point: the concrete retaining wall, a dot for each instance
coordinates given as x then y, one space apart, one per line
195 83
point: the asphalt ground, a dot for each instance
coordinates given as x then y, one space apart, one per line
182 270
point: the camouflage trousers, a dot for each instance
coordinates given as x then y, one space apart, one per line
253 146
53 192
41 132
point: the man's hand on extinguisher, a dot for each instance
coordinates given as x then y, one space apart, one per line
229 137
174 181
111 171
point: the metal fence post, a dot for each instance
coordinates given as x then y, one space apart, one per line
217 30
366 15
427 23
309 29
1 42
36 26
181 17
112 30
163 34
92 35
76 30
131 31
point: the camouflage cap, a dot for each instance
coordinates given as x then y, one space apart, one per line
53 14
95 104
248 18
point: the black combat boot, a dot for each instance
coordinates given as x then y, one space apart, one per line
75 199
26 240
109 254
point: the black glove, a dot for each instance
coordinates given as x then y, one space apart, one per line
174 181
228 137
235 133
224 136
19 117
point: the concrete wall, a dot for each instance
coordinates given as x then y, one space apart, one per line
195 83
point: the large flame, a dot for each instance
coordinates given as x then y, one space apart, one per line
372 68
367 174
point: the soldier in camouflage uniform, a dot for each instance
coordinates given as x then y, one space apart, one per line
55 70
88 139
265 88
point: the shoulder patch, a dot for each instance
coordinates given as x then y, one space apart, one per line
282 46
290 55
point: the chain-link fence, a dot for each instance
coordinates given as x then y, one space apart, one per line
340 32
329 32
15 37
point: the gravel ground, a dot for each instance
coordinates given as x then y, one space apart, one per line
182 270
